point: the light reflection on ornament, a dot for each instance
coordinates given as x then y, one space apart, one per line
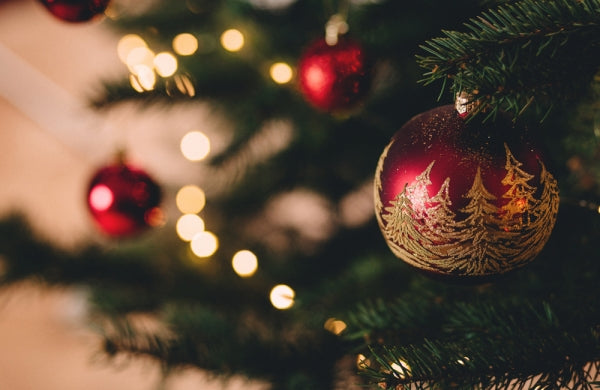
127 43
185 44
165 64
204 244
244 263
281 72
195 146
101 198
190 199
282 297
188 225
232 40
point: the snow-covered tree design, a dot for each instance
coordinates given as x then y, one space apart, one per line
520 194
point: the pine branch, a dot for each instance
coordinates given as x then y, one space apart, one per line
518 55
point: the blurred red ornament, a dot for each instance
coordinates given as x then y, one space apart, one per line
334 78
124 200
75 10
464 199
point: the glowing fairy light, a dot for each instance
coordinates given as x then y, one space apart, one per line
195 146
204 244
401 369
281 72
190 199
140 58
145 77
188 225
244 263
282 297
232 40
127 43
165 64
335 326
185 44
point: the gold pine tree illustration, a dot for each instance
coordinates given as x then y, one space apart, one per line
520 194
476 252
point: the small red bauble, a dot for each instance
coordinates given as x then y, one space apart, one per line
123 200
75 10
463 199
334 78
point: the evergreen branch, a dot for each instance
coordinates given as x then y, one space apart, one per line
522 54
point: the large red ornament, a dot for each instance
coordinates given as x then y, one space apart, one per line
334 78
464 199
75 10
123 200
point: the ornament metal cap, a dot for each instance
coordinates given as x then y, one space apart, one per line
465 103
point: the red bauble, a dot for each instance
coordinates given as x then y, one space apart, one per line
464 199
75 10
334 78
123 200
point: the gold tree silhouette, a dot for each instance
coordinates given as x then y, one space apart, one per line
520 194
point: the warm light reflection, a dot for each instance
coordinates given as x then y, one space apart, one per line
185 44
190 199
232 40
188 225
140 58
127 43
402 369
282 297
135 84
195 146
362 362
185 85
335 326
155 217
281 72
101 198
204 244
244 263
145 77
165 64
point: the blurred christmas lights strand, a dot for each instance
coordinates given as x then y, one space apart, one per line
52 108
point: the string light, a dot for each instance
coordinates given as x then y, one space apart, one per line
282 297
204 244
232 40
281 72
401 369
244 263
190 199
165 64
188 225
127 43
138 58
185 44
335 326
195 146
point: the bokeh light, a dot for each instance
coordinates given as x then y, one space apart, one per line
185 44
145 77
195 146
244 263
204 244
282 297
401 369
140 58
281 72
190 199
127 43
335 326
165 64
188 225
101 198
232 40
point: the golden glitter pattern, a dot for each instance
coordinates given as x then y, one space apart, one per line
425 232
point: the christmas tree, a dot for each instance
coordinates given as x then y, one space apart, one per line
291 188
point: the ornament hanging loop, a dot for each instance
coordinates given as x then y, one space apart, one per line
465 103
336 26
